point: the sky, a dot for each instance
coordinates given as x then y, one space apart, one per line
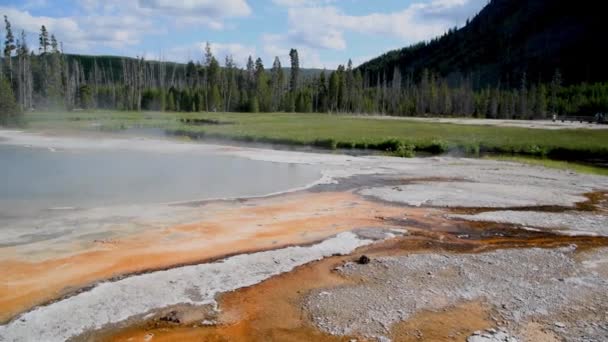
325 32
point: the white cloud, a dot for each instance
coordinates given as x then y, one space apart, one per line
324 27
209 13
81 33
279 46
180 14
194 52
205 8
301 3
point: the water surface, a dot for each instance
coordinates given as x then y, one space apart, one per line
40 179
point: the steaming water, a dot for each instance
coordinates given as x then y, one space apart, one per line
40 179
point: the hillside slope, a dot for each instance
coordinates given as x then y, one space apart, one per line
115 65
509 38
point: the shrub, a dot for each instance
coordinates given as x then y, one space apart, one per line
346 144
10 113
438 146
472 149
405 151
326 143
389 145
535 150
361 145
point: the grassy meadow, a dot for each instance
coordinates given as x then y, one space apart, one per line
399 137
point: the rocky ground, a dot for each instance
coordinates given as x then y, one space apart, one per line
557 290
469 268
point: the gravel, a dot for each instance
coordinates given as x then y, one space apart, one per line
520 284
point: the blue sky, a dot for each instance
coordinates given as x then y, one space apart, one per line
325 32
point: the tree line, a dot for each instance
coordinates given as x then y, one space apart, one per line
50 79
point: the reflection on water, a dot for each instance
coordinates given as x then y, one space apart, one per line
36 179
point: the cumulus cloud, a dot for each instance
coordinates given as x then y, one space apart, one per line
325 26
275 45
315 27
82 32
301 3
184 13
206 8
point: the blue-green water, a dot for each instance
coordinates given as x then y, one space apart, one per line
38 179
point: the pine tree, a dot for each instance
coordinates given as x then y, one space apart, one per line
295 70
24 73
230 86
10 112
262 92
208 54
541 101
523 97
170 101
9 46
43 40
207 58
250 76
321 104
556 85
349 86
254 106
334 90
395 91
214 75
54 44
277 81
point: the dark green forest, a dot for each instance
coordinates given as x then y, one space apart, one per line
507 39
515 59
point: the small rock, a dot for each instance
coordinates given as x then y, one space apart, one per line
363 260
559 325
491 335
171 317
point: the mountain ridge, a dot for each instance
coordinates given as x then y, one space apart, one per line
504 41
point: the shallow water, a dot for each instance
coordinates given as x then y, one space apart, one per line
37 179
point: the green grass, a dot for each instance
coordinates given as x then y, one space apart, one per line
334 131
554 164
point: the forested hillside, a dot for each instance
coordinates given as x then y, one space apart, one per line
515 59
507 40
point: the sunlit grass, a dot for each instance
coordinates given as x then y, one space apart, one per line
554 164
336 131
